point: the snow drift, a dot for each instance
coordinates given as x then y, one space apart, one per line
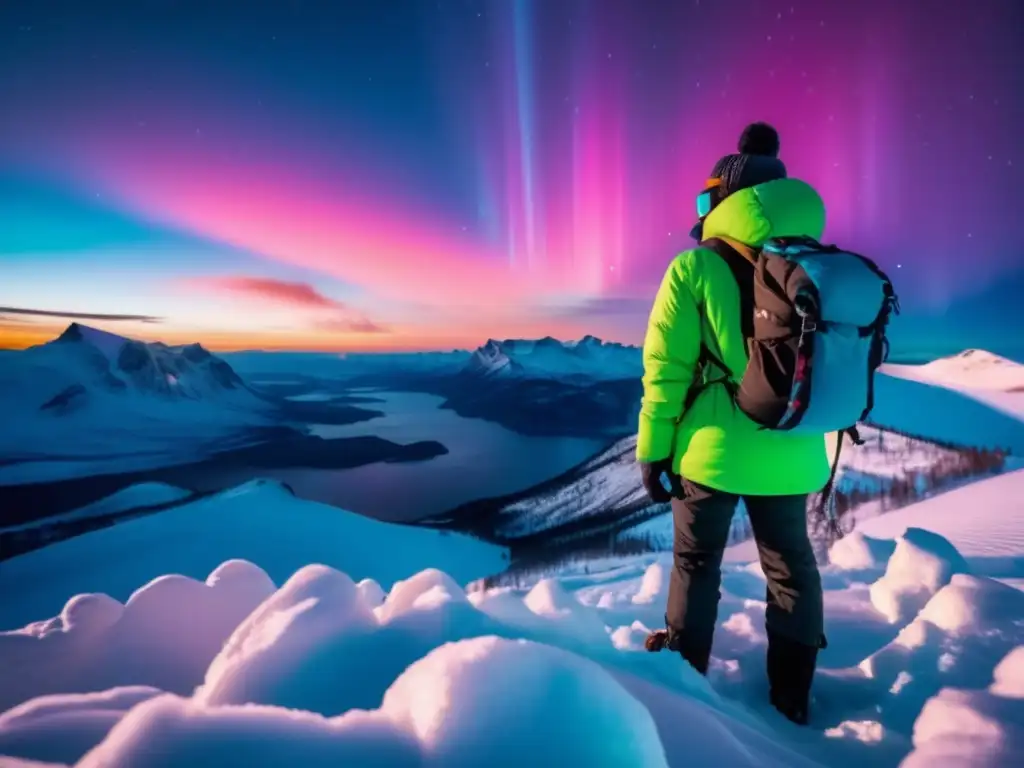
924 664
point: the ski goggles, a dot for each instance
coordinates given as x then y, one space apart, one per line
711 196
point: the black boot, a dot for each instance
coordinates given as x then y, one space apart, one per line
790 673
698 654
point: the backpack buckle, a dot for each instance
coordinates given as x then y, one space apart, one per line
807 325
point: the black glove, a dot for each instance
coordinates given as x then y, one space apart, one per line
651 473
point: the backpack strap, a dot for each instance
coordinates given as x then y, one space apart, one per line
743 273
827 508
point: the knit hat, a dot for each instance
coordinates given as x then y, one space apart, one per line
756 163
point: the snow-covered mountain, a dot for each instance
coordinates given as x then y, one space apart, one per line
493 360
90 395
549 358
85 363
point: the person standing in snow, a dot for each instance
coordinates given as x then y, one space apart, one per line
697 450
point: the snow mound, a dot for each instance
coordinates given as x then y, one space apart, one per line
447 699
630 638
97 643
968 728
565 612
426 588
274 656
169 731
82 720
654 585
316 675
259 521
1009 675
929 678
371 593
965 603
857 552
922 563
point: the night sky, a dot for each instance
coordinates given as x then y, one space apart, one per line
405 175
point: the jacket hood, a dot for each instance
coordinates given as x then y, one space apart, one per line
781 208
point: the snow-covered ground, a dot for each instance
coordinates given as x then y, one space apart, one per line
259 521
990 379
267 660
142 495
972 369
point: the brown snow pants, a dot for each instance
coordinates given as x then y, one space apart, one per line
702 519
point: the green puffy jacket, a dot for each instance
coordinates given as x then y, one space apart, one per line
714 443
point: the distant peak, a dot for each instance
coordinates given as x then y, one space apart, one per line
549 341
82 332
72 333
195 352
107 343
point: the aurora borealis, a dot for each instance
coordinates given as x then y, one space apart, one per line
410 175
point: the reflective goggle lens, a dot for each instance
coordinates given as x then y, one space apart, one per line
704 204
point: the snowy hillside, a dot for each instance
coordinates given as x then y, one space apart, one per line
982 376
983 520
133 497
260 521
95 396
549 358
306 666
604 496
970 369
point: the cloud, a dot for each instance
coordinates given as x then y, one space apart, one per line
351 325
604 306
304 296
77 315
278 291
